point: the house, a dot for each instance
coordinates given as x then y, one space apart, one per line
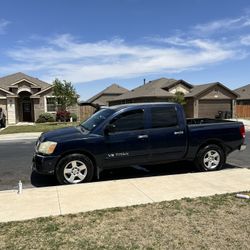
24 98
244 95
107 95
204 100
100 99
243 101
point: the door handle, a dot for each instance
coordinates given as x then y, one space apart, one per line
142 136
179 132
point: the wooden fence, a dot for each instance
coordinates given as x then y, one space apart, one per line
243 111
86 112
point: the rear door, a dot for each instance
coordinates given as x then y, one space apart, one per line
129 143
167 137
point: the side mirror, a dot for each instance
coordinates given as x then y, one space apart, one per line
110 128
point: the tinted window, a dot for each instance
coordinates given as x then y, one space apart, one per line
164 117
131 120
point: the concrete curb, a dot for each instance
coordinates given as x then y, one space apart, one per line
61 200
20 136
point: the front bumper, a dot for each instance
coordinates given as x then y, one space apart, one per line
243 147
44 164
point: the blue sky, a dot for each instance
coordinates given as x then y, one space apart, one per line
98 42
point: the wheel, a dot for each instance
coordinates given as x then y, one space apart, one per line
210 158
74 168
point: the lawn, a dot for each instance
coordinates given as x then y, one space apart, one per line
216 222
38 127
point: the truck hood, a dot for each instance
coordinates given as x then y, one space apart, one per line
64 134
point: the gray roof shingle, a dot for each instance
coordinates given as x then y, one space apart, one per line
199 89
243 92
151 89
112 89
6 81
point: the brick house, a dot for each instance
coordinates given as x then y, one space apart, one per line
24 98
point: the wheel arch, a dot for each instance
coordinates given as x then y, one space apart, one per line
78 151
213 142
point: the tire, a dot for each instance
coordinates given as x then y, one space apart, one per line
210 158
74 169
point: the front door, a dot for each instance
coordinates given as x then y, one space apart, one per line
27 111
128 144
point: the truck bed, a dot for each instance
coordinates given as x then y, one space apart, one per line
192 121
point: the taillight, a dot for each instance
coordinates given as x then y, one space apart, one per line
242 131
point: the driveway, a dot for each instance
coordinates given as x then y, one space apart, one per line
15 164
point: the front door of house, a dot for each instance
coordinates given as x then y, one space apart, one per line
27 111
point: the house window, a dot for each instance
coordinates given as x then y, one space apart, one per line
51 104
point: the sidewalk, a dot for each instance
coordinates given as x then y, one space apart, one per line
59 200
20 136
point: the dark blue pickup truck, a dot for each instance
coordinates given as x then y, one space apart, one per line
123 135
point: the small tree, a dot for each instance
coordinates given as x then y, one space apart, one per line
65 94
179 98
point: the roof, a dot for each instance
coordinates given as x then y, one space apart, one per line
7 81
151 89
243 92
112 89
199 89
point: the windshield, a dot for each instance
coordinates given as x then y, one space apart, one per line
97 118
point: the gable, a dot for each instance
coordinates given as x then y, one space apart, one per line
217 92
23 81
179 88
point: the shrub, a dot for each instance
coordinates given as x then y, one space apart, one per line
74 117
45 117
63 116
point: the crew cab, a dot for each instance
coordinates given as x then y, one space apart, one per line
146 133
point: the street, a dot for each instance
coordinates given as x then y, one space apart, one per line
16 156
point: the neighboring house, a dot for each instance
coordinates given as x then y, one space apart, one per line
107 95
101 99
204 100
24 98
243 101
244 95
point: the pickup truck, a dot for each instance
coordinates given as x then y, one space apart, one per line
146 133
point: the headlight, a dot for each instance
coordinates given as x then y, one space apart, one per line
47 147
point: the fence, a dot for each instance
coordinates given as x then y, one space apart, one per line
243 111
85 112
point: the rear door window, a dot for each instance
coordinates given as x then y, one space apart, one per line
164 117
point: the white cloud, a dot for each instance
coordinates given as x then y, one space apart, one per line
3 24
66 58
245 40
223 25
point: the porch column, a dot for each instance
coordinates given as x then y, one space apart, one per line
11 110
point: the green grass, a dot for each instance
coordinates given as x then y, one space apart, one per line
38 127
216 222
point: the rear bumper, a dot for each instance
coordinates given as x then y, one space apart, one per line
243 147
44 164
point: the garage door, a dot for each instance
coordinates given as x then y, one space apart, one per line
210 108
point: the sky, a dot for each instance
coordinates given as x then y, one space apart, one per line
94 43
